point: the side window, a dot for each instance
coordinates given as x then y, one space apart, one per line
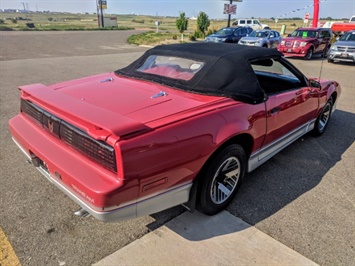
274 77
237 32
242 21
244 31
256 22
249 21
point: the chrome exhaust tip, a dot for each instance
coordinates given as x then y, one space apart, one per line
82 213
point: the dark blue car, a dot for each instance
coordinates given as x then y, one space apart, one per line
229 34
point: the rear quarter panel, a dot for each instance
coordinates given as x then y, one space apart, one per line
173 154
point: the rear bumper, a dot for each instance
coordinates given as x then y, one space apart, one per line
86 183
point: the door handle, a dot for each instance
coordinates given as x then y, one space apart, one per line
274 111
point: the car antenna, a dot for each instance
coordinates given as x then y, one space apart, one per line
320 71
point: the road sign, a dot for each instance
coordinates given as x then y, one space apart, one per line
230 9
103 4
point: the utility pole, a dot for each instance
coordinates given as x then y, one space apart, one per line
98 14
102 15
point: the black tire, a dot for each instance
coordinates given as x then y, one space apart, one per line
309 54
323 118
221 180
330 60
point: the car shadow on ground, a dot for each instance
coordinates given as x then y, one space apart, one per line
284 178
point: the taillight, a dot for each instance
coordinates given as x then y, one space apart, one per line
97 150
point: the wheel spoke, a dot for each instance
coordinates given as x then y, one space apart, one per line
324 117
225 180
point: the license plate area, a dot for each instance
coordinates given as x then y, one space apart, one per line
344 55
289 50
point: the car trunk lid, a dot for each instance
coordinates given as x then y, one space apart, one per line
109 104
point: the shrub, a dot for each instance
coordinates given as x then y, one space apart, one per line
211 31
13 20
174 37
2 21
138 21
198 34
192 38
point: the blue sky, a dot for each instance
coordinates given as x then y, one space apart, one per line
213 8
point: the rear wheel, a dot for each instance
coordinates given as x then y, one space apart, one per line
222 179
309 54
330 60
323 119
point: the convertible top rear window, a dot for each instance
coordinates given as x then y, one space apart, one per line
171 67
207 68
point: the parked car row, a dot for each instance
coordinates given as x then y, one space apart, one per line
246 36
303 42
229 34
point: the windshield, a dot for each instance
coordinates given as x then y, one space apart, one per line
305 33
224 31
349 36
259 33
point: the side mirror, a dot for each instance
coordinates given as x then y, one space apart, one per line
314 84
288 35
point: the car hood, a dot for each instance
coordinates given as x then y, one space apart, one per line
252 39
117 105
345 43
288 39
218 36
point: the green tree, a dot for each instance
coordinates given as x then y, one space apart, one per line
203 22
181 24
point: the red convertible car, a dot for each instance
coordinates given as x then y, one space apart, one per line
182 124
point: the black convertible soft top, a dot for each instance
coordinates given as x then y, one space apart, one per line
226 71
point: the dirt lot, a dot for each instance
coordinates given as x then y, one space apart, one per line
304 197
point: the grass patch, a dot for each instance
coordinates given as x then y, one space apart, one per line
5 28
153 38
61 21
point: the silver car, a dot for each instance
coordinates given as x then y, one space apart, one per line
263 38
343 49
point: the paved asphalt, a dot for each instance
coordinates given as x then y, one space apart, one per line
304 197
